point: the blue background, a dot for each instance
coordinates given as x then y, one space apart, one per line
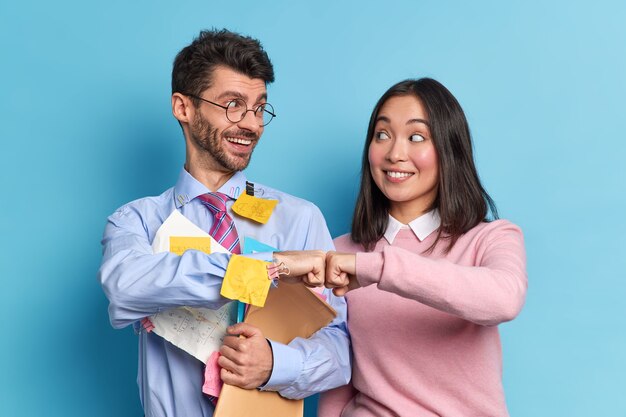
86 126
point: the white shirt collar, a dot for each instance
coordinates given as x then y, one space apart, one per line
423 226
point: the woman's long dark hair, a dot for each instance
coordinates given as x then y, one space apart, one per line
461 199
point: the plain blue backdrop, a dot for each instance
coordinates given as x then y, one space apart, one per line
86 126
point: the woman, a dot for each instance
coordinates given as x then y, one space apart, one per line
427 277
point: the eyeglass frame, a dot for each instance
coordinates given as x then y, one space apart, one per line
244 113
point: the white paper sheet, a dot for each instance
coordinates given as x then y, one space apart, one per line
198 331
178 225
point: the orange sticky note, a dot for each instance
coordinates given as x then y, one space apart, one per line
246 280
257 209
179 244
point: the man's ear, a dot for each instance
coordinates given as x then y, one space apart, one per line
182 107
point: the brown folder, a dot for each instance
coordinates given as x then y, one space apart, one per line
291 310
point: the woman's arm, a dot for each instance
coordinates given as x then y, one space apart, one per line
488 293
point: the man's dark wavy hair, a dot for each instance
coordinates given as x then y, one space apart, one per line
194 65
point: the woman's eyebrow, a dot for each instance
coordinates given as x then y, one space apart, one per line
418 121
410 121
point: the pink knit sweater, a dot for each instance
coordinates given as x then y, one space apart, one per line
424 326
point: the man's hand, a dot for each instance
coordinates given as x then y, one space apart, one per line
307 266
341 272
246 362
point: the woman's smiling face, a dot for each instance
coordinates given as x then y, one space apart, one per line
403 159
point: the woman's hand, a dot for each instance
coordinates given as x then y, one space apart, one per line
341 272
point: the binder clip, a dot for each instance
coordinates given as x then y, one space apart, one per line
274 271
250 188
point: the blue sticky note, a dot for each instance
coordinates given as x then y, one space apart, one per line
253 246
241 311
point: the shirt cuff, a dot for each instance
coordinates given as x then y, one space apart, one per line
369 267
287 367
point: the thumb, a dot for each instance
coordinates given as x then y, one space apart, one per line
340 291
244 329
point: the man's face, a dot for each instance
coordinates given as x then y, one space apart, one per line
228 144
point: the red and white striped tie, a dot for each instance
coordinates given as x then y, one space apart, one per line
223 229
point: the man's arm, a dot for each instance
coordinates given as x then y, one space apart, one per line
139 283
297 370
323 361
247 361
307 366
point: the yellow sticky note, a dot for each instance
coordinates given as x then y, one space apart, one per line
246 280
254 208
179 244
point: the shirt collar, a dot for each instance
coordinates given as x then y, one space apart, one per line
187 187
423 226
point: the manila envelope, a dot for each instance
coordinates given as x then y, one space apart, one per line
291 310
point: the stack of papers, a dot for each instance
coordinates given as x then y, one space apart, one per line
198 331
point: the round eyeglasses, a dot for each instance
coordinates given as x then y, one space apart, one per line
237 109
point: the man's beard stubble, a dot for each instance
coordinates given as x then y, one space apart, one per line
206 137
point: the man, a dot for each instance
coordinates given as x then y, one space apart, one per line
219 97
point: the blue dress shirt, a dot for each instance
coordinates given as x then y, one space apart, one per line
139 283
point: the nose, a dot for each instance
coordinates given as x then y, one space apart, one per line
250 122
397 151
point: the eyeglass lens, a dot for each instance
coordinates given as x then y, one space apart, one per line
236 110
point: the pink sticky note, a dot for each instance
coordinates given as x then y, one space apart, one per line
147 324
319 291
212 381
322 296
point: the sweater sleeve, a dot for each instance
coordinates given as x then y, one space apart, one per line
489 292
332 402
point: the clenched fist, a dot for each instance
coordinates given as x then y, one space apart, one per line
308 266
341 272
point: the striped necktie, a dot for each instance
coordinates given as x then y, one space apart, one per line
224 232
223 229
